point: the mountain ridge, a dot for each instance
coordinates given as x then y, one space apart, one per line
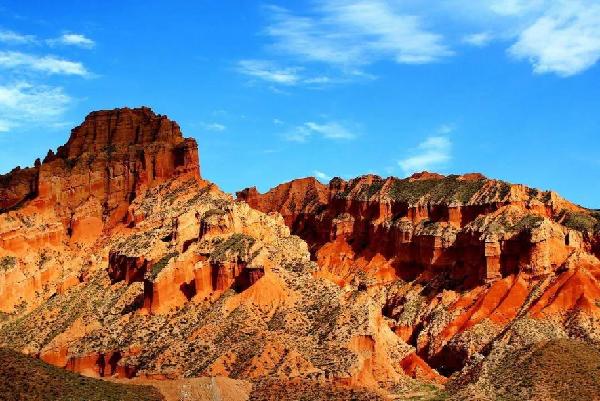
117 259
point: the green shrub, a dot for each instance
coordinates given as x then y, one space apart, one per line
580 221
448 189
7 262
213 212
237 246
162 263
528 222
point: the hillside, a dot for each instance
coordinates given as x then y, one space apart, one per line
463 262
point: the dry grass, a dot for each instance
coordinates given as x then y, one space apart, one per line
565 370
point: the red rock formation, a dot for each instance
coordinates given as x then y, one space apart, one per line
425 222
479 249
83 189
108 159
138 267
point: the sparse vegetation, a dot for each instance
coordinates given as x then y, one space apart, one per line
368 190
564 369
308 390
527 222
447 189
584 222
213 212
162 263
236 246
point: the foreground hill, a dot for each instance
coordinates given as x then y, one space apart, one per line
561 369
28 379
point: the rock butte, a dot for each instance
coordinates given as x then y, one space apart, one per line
118 260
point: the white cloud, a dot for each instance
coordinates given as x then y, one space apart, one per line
329 130
554 36
73 39
45 64
16 38
322 176
25 103
565 40
349 33
434 152
478 39
271 72
267 71
318 80
217 127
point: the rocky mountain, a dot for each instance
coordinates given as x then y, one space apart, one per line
118 261
465 265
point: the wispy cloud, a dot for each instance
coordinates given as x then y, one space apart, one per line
478 39
564 40
322 176
73 39
331 130
328 130
555 36
26 103
515 7
15 38
272 72
45 64
215 127
352 33
268 71
432 153
445 129
26 98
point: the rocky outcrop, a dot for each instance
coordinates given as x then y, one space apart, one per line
108 159
462 258
82 190
473 228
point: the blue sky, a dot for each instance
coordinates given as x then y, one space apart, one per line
279 90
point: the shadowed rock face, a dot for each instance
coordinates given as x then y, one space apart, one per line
460 258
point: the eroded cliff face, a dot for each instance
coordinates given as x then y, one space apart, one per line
63 205
461 260
123 262
108 159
